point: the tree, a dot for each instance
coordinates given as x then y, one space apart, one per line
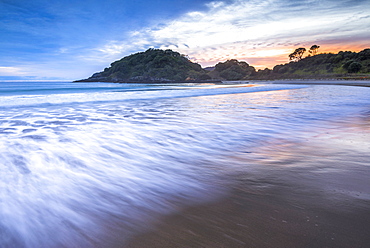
300 51
151 65
234 69
313 50
292 56
297 54
354 67
347 64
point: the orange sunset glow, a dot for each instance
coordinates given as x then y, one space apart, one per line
268 57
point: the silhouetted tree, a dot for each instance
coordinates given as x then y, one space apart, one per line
292 56
313 50
297 54
300 51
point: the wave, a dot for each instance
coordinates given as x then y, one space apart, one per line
135 92
89 175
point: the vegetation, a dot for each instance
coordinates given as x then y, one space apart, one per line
313 50
151 65
297 54
155 65
326 65
233 70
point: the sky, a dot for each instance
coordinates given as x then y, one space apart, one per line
72 39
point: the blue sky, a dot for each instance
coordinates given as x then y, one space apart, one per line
71 39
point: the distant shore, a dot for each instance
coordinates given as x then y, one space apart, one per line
345 82
148 82
362 83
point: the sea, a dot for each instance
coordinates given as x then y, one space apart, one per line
94 164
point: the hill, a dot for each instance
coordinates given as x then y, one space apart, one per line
153 65
156 65
326 65
232 70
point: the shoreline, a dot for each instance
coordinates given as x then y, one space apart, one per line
343 82
361 83
150 82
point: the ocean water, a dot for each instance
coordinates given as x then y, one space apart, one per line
91 164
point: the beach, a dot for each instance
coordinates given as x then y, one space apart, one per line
295 208
177 165
313 193
251 220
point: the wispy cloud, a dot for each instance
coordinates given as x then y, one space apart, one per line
10 71
73 39
250 29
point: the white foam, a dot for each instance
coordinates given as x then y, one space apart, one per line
162 92
65 183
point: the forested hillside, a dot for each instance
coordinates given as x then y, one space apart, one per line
233 70
155 65
324 65
149 66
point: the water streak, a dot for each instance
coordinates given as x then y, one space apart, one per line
89 166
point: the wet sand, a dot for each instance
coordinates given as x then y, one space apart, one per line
311 194
249 219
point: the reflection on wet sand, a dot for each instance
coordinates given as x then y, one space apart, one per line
314 192
263 166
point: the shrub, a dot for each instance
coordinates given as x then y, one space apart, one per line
354 67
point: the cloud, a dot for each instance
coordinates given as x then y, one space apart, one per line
263 28
72 39
10 71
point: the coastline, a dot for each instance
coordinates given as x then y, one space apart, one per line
149 82
361 83
334 81
291 167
